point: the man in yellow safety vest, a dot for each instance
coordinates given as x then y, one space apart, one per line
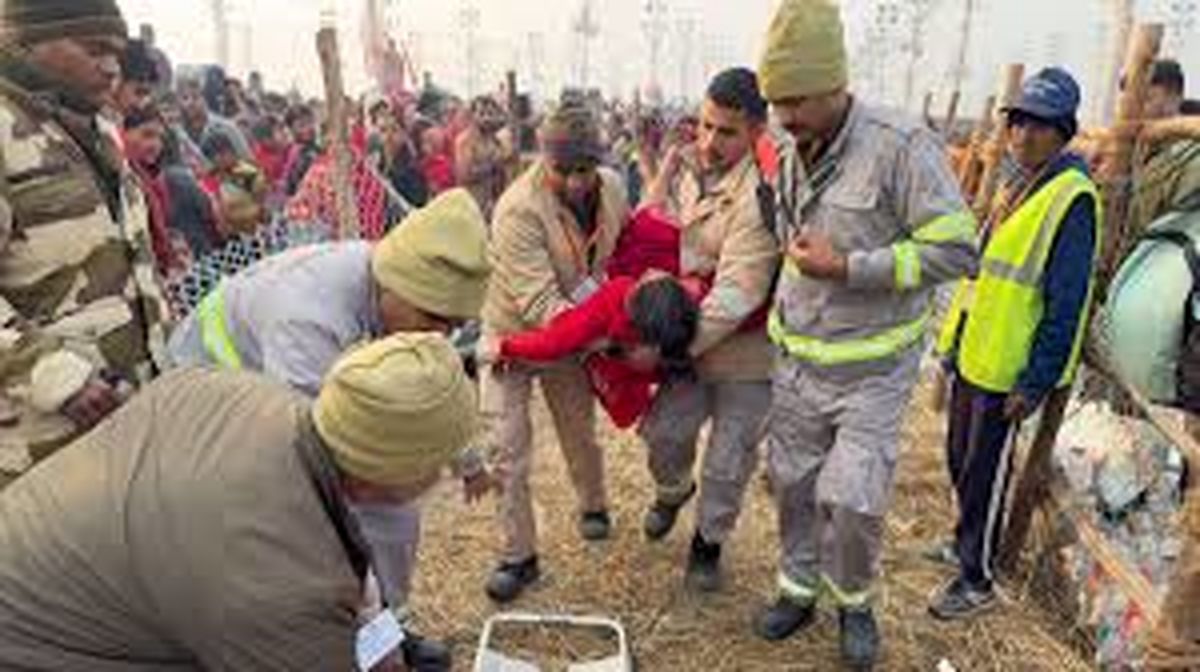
1015 332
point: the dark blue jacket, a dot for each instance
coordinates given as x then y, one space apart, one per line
1064 289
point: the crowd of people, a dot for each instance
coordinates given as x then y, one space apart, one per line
232 482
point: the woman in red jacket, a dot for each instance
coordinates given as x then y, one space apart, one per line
635 331
637 327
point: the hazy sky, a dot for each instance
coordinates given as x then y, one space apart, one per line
537 40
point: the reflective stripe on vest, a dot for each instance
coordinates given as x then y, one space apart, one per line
954 227
833 353
214 330
1003 307
957 226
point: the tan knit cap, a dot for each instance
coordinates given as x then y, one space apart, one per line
806 51
396 411
436 259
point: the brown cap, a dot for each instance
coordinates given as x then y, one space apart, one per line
33 21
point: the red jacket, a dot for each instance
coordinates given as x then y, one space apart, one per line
439 172
649 242
273 163
624 392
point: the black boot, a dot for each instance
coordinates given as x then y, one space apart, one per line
510 579
784 618
859 638
704 565
595 525
661 516
425 655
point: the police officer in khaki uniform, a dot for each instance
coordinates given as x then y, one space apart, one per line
553 231
715 198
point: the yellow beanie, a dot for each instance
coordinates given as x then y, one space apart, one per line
436 258
806 51
396 411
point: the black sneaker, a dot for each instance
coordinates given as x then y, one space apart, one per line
784 618
703 566
859 638
595 525
510 579
425 655
958 599
661 516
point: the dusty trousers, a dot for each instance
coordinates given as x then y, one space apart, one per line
393 533
506 396
671 431
832 442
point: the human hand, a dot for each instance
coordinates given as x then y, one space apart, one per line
477 485
815 256
92 404
1017 407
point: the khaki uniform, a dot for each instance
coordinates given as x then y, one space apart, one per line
885 196
76 268
198 528
724 237
540 259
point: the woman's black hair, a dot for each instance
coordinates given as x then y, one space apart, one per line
215 144
665 316
140 116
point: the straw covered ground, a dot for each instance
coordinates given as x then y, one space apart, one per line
640 583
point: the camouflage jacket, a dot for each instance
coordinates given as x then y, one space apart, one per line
1167 180
76 267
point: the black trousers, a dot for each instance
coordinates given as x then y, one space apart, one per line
980 457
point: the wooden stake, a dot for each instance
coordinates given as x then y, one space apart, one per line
1173 128
971 170
1033 488
343 161
951 114
1122 22
994 151
1117 166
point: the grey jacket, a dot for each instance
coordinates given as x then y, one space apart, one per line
887 198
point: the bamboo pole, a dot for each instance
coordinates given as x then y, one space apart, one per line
971 170
1173 128
1174 642
1118 162
1122 21
347 224
993 153
951 113
1033 488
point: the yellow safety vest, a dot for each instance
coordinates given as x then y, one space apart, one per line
1004 306
214 330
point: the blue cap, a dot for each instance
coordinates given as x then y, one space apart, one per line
1051 95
